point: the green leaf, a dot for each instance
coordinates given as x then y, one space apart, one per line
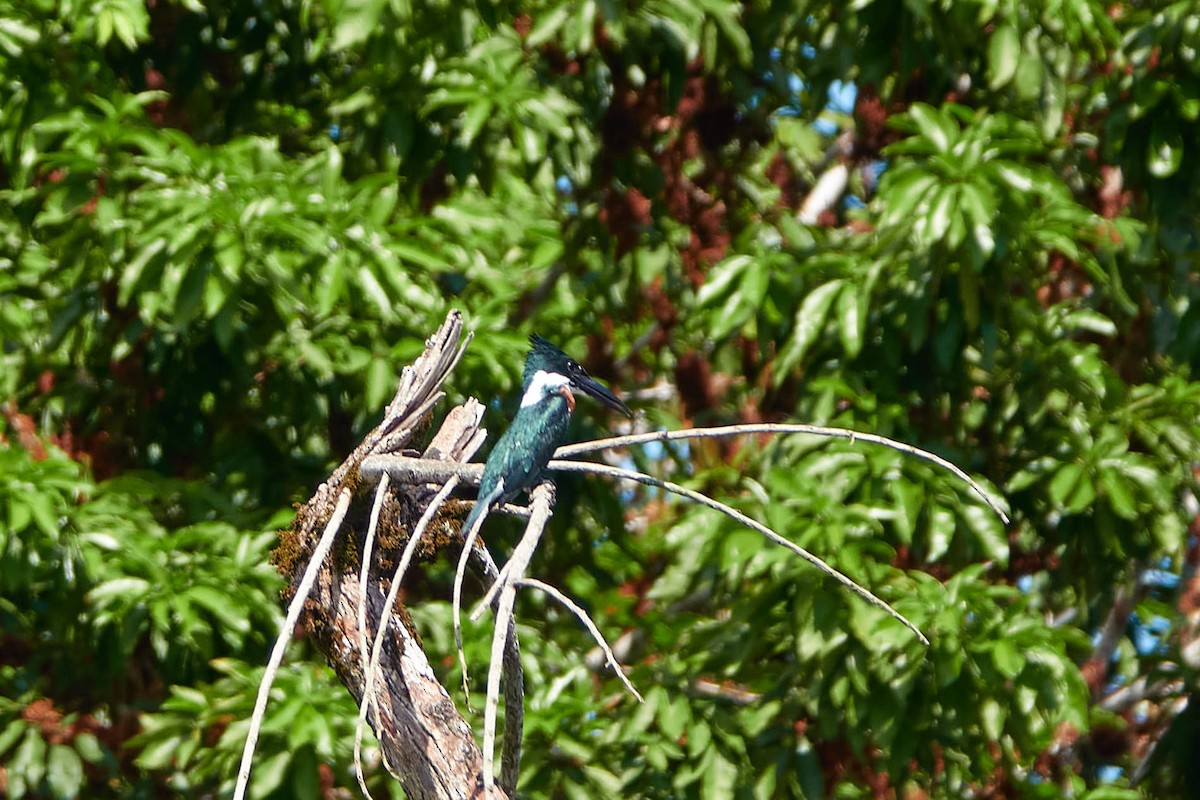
1086 319
727 17
41 506
1004 53
809 325
721 278
1064 482
546 25
1029 75
29 760
132 272
478 113
1054 106
1007 658
269 774
1119 492
380 383
909 497
699 737
902 194
230 614
940 533
104 26
1083 495
720 778
935 126
124 588
673 715
993 715
64 771
131 23
988 531
11 734
941 209
88 747
355 21
851 319
1112 793
191 293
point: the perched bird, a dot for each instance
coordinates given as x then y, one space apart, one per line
518 460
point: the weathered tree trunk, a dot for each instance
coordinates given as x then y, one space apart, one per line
425 742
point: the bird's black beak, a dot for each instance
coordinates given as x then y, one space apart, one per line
597 390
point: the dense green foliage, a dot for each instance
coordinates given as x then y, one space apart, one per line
225 227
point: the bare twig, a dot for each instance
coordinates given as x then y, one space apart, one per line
514 694
365 566
541 504
572 450
504 578
285 634
365 652
460 572
617 472
583 617
514 687
738 695
1123 697
504 619
418 471
405 469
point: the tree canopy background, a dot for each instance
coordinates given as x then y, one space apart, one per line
971 226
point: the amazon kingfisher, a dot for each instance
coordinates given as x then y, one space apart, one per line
518 460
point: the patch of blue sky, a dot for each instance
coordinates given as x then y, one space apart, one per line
1164 577
842 97
1148 637
654 450
871 173
566 189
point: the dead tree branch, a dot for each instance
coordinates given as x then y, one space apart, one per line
422 736
350 547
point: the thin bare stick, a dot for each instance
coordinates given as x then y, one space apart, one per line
541 506
514 685
489 596
640 477
385 615
460 571
285 635
572 450
504 619
364 651
365 566
583 617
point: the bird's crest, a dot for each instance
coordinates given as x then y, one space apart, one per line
545 357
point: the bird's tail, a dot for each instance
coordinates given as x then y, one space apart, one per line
482 506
